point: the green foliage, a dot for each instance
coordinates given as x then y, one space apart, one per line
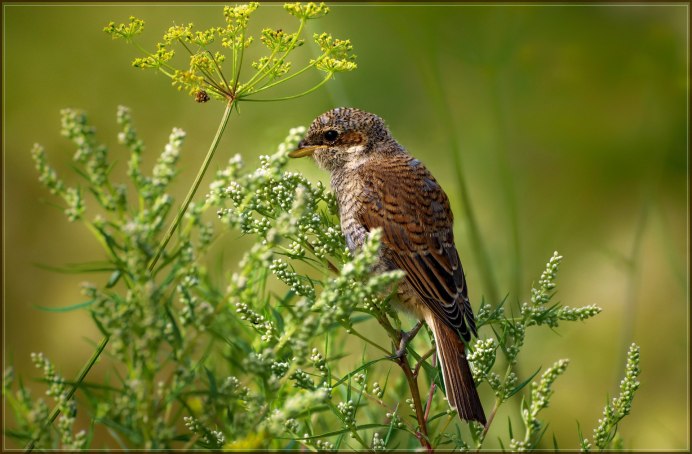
605 434
254 361
264 358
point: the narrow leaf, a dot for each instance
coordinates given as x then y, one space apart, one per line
73 307
522 384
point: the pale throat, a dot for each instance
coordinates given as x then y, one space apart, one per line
356 157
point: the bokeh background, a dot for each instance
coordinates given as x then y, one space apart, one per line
571 125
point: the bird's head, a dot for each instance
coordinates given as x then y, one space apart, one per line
345 136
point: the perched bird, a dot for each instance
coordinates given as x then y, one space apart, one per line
379 185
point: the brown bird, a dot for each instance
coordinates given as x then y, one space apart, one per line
379 185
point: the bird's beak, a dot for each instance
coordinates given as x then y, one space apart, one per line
304 150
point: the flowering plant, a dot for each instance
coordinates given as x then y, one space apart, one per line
295 348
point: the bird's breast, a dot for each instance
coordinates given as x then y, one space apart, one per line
347 187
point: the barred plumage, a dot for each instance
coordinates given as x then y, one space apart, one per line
379 185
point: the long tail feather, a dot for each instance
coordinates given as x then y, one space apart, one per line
461 391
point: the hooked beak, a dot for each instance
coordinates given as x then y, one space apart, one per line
304 150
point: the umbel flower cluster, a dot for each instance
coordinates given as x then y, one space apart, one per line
286 351
215 55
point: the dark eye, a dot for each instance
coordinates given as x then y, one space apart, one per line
331 135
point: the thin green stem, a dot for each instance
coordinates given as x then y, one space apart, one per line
209 80
240 61
431 71
306 92
351 428
442 430
189 51
149 54
195 185
632 281
80 378
255 78
498 401
218 70
234 81
502 118
104 341
377 346
326 261
375 399
261 74
284 79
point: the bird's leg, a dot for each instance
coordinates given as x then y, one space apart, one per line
407 337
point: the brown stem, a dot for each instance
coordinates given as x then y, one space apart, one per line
430 394
418 406
402 361
490 420
330 265
427 355
428 405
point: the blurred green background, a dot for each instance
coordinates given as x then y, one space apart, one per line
572 126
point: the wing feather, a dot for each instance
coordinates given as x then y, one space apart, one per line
405 201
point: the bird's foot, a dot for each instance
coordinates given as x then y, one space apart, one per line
406 337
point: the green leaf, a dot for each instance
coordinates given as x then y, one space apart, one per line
436 416
98 324
538 440
522 384
114 278
279 319
213 390
73 307
79 268
341 431
133 436
353 372
176 331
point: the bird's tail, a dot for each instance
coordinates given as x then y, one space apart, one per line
461 391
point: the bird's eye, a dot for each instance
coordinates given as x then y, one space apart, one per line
331 135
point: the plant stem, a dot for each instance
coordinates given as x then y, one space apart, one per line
324 81
431 73
427 355
493 412
474 230
506 176
263 72
631 281
429 403
412 380
415 394
102 345
82 374
195 184
329 264
374 344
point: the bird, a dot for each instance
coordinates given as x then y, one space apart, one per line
379 185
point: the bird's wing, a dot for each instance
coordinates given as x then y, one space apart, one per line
401 197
